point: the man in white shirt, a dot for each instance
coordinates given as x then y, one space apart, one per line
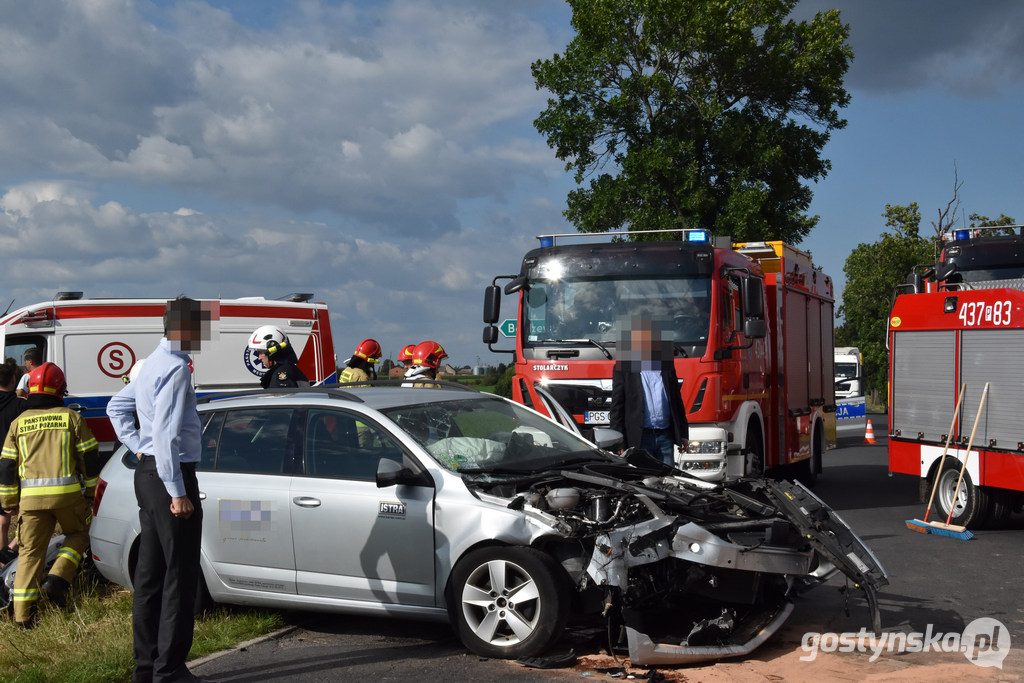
168 444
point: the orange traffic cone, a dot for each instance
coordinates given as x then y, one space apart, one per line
869 434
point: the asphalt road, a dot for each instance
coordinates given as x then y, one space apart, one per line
936 582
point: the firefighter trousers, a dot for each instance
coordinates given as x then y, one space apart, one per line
35 531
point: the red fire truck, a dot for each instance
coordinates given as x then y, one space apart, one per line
751 326
958 324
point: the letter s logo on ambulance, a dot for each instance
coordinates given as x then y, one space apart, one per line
115 359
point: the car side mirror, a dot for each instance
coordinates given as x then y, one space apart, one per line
391 473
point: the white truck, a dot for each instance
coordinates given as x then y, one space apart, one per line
849 372
97 341
851 406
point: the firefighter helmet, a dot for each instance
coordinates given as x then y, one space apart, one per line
428 353
47 379
368 350
406 354
269 339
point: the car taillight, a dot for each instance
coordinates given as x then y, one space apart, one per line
101 486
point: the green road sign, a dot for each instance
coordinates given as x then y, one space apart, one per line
508 328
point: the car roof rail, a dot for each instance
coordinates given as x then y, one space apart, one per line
331 390
407 383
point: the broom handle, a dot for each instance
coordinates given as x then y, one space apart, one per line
963 468
949 437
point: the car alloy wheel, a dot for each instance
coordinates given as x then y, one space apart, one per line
508 602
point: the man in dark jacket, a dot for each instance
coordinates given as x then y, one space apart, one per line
11 406
646 404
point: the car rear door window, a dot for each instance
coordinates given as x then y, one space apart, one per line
260 440
211 437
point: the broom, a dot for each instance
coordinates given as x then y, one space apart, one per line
921 525
955 530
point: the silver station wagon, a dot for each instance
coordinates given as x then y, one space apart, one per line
449 504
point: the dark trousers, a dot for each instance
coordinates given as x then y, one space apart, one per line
166 576
658 442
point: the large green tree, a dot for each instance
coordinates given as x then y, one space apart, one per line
872 273
695 113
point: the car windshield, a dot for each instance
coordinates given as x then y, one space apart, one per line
487 434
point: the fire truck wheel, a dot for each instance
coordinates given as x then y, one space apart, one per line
1002 507
753 461
807 471
970 504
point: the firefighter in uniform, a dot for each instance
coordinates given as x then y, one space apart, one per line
276 353
426 359
360 365
48 468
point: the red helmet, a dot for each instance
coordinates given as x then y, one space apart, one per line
368 350
406 354
428 353
47 379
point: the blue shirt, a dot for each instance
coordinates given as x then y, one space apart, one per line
656 405
169 425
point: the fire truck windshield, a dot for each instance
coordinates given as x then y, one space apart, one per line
570 309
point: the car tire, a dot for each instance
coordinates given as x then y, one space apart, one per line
508 602
753 457
970 505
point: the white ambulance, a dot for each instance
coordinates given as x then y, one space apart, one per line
97 341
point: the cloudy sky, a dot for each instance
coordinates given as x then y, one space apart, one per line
382 154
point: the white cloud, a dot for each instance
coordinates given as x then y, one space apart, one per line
360 151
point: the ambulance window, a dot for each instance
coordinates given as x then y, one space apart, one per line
16 345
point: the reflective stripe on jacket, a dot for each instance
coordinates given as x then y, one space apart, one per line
49 458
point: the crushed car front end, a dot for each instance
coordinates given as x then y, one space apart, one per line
684 570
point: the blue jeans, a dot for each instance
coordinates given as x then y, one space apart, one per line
659 444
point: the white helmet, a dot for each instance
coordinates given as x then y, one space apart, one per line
268 338
136 369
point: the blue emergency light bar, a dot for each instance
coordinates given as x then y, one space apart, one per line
961 235
689 235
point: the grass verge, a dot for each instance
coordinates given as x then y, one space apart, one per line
91 640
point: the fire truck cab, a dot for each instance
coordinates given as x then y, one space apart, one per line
955 327
750 325
97 341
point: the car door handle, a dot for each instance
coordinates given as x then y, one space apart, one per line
306 502
202 496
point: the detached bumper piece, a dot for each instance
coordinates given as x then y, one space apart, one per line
832 537
739 639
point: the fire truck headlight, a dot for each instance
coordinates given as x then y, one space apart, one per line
705 447
702 465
